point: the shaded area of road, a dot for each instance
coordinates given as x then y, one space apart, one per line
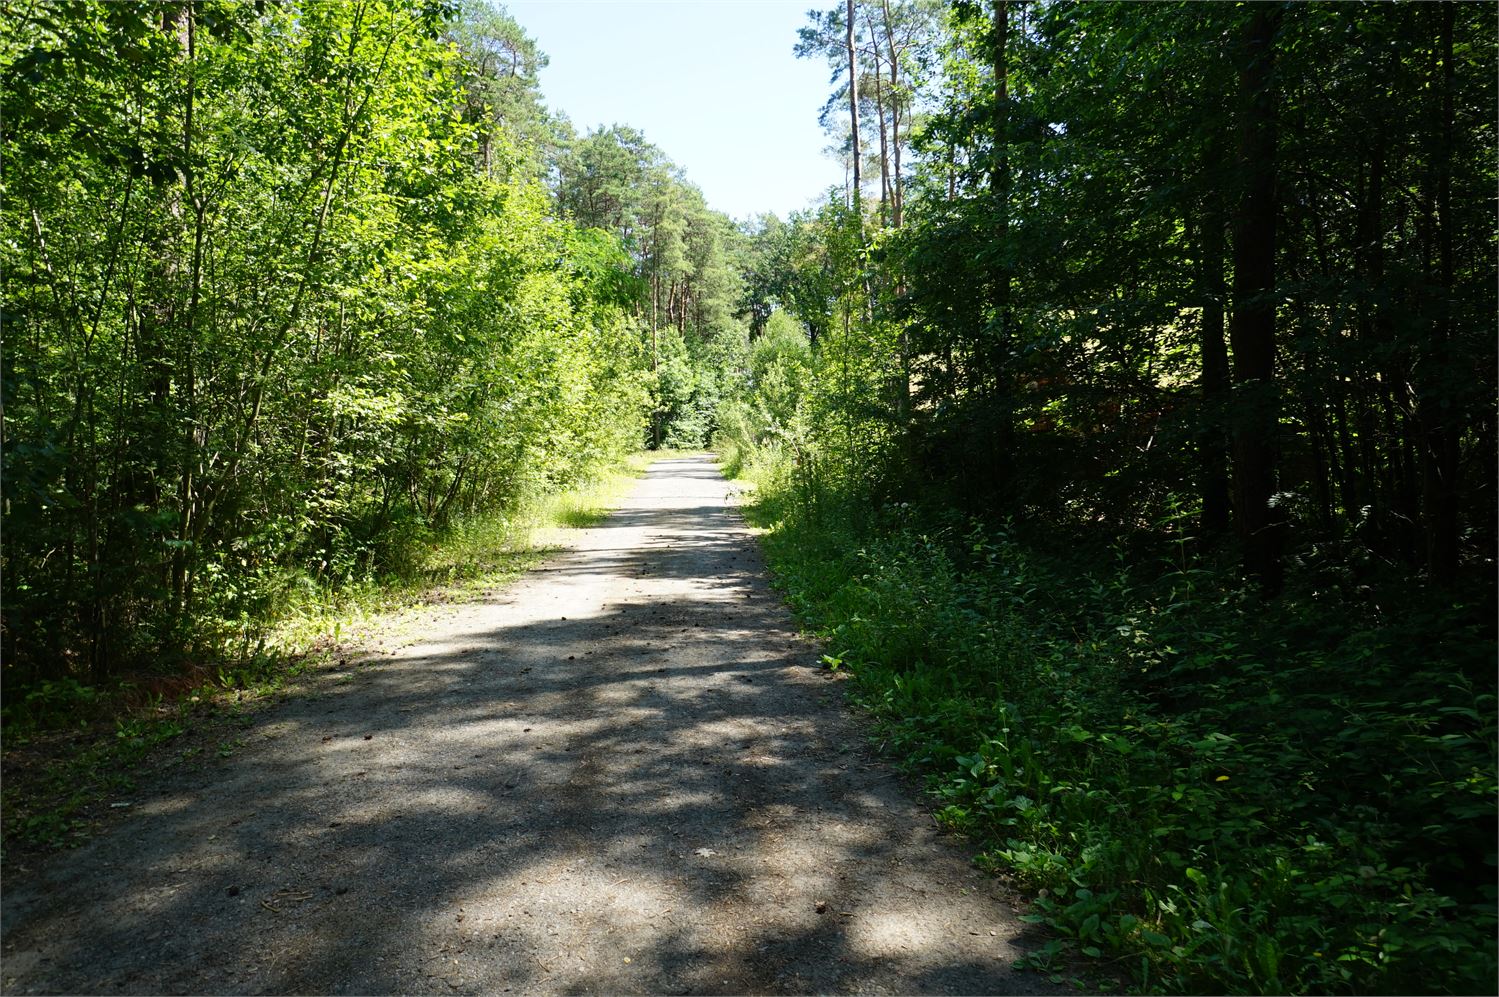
623 774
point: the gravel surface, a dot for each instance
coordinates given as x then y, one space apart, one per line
623 774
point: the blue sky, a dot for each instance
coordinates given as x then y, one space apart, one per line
712 82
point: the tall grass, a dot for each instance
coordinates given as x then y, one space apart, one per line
470 557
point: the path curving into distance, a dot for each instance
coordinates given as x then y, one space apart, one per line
622 774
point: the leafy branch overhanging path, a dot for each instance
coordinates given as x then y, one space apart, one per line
622 774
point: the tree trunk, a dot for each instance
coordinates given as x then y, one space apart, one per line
1213 444
1369 262
853 108
1439 457
999 333
182 556
886 201
1324 463
1252 329
897 193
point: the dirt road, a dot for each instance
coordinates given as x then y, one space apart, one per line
623 774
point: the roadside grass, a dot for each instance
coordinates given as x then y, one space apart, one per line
469 561
1204 792
74 752
581 509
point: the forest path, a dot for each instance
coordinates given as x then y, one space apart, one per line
623 774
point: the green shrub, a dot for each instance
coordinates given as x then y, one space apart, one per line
1215 792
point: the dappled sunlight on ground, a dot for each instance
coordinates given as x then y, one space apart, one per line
625 774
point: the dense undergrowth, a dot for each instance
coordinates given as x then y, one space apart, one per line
1207 791
69 745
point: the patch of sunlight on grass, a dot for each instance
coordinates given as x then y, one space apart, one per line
581 508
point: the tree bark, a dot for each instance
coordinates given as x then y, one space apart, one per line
1252 329
853 108
1213 444
999 333
1439 458
886 201
897 192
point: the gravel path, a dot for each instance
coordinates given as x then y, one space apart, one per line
623 774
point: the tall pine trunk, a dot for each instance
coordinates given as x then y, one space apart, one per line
897 192
886 200
853 110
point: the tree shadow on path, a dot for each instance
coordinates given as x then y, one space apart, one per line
626 776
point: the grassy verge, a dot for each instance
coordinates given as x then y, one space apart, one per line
471 560
1205 792
73 753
